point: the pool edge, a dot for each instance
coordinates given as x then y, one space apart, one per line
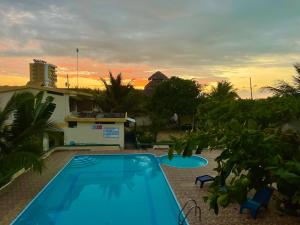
119 154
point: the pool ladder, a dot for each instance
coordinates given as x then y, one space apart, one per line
194 207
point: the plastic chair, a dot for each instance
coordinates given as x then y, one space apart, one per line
261 199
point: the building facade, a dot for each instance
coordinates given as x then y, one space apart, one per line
42 73
75 116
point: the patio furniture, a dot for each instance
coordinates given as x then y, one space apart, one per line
203 179
260 199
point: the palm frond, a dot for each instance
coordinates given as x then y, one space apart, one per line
282 88
8 109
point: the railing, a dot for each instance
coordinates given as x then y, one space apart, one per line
194 207
88 114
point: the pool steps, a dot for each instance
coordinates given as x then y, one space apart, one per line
79 162
195 207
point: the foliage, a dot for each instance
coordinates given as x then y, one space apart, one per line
255 149
144 136
279 111
251 158
175 95
119 97
21 136
285 89
224 91
115 92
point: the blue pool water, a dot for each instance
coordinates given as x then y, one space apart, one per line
184 162
105 190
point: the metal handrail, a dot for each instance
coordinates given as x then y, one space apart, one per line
180 222
190 210
182 209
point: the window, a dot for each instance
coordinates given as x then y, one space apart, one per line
72 124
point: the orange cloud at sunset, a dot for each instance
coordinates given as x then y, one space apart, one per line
16 72
201 40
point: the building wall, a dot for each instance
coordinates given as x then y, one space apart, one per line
58 116
61 101
85 134
141 121
44 73
37 72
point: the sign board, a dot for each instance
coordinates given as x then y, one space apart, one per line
97 126
111 132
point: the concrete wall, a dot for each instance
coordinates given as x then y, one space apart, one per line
61 101
84 133
142 121
58 116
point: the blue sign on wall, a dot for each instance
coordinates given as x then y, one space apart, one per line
111 132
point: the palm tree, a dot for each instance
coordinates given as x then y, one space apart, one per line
116 93
285 89
223 91
23 122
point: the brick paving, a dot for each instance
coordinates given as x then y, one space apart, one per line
19 193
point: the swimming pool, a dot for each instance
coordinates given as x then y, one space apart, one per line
105 190
184 162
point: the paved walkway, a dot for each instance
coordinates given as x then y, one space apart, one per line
15 197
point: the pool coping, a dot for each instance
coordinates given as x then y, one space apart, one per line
68 162
178 167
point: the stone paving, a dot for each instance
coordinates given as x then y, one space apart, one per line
18 194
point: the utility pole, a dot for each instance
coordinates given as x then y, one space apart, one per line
251 88
68 84
77 51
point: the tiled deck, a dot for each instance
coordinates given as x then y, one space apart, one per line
15 197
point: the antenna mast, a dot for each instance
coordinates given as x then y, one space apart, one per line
251 88
77 51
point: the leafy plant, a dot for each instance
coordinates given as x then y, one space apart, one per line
175 95
21 136
257 149
285 89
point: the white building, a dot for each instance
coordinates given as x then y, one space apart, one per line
74 114
42 73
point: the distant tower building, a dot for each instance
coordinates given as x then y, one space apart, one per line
154 80
42 74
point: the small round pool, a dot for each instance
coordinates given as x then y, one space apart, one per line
183 162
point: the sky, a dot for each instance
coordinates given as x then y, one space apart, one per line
204 40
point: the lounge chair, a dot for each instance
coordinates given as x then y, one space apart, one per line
203 179
260 199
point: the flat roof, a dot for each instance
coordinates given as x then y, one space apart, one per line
4 89
93 120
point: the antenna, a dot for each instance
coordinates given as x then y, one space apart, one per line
77 51
251 88
68 84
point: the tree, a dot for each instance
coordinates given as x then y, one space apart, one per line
216 104
21 137
175 95
256 150
283 88
223 91
116 93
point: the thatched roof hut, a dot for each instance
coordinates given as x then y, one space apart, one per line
154 80
158 76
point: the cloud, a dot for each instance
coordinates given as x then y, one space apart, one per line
208 40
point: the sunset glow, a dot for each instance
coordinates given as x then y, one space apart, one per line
189 39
